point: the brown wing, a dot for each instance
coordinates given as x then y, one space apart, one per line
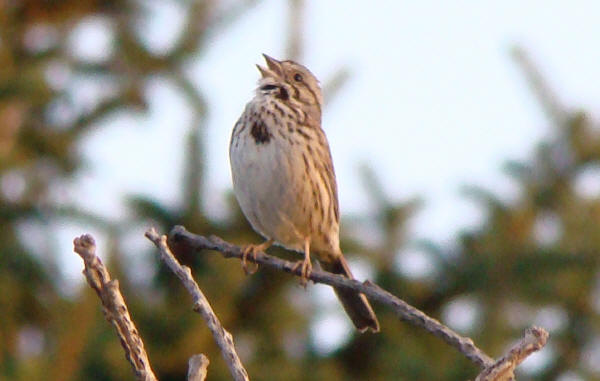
329 172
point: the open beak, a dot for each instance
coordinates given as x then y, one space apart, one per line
273 68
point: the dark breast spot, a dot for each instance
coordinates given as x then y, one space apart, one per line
260 132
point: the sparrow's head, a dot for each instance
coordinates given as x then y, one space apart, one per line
289 81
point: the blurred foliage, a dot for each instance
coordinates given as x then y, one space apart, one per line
533 259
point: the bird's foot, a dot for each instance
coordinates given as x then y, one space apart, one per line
251 250
305 270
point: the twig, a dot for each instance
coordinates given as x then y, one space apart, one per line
115 310
503 370
197 368
222 337
294 43
114 307
406 312
549 99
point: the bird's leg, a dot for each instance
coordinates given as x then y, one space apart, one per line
252 250
305 265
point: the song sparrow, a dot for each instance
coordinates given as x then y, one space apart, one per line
283 176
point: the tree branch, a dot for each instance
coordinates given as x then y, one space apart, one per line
114 307
503 370
202 306
180 236
116 312
197 368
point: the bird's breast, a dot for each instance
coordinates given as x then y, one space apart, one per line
276 165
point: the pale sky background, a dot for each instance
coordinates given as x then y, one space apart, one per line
434 101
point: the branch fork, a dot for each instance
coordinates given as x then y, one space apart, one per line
115 309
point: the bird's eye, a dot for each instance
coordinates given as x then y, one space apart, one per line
298 77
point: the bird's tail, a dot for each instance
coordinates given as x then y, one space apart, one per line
356 305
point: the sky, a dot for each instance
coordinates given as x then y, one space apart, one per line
434 101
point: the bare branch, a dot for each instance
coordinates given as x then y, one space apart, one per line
295 43
548 99
201 305
503 370
197 367
114 307
335 83
179 235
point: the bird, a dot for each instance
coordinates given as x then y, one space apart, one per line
284 180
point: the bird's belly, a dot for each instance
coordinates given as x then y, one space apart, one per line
269 181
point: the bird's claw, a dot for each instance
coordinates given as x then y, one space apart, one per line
305 270
249 250
253 250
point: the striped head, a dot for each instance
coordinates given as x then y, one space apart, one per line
292 83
